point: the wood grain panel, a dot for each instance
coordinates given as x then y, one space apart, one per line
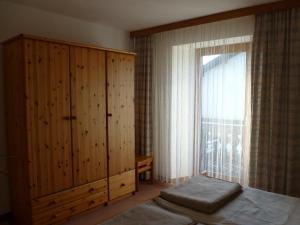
58 207
63 212
16 142
120 91
55 173
48 102
89 108
69 43
53 201
122 184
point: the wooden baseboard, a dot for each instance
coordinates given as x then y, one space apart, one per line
5 217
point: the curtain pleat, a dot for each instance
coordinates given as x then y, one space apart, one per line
275 136
143 95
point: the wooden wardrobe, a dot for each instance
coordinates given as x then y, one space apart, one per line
70 127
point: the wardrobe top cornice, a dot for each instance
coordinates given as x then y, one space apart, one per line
33 37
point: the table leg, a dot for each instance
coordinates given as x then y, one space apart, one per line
137 180
152 175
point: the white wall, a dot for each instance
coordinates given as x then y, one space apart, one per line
16 19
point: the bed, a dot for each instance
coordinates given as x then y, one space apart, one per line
205 200
251 207
150 214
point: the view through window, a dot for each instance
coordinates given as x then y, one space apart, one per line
224 117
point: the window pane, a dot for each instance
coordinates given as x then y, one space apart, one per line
223 86
223 115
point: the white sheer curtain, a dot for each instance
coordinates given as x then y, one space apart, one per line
200 96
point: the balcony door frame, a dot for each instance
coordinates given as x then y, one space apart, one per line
225 49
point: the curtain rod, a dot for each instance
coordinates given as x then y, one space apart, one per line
252 10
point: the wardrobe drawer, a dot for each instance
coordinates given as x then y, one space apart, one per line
60 198
63 212
56 207
121 184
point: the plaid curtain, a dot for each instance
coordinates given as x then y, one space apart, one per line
275 140
143 95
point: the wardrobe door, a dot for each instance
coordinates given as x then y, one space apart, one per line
48 103
89 114
120 91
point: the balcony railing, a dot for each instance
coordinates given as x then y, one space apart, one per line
222 144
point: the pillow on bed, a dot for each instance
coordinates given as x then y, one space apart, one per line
202 193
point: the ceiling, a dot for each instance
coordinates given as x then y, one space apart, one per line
137 14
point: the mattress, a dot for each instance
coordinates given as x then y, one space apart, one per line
251 207
150 214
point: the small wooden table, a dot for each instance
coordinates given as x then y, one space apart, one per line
143 164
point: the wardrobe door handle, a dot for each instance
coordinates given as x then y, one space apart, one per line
109 114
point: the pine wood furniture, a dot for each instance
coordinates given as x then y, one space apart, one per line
143 164
70 127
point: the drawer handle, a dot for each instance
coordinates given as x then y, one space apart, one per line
122 185
53 202
54 216
92 190
92 202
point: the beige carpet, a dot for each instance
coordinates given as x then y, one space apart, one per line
103 213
